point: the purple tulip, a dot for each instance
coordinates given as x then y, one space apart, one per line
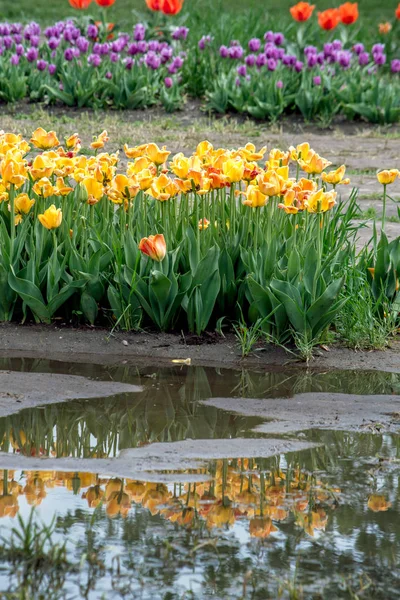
311 60
363 59
358 48
53 43
18 38
94 60
32 55
204 41
261 60
69 54
337 45
250 60
128 62
224 51
8 42
317 80
139 32
378 48
269 36
142 47
92 32
254 45
236 52
14 60
310 50
52 68
152 60
242 70
298 67
379 59
344 59
82 44
271 64
180 33
279 38
108 75
395 65
168 82
279 84
19 49
41 65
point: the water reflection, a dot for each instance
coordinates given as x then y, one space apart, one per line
320 520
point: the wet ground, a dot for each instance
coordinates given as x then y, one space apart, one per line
187 482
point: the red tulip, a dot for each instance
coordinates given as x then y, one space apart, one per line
105 3
168 7
154 4
80 4
329 19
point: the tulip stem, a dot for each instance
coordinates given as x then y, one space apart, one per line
5 482
256 228
384 208
12 222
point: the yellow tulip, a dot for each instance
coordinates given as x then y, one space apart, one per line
43 139
336 177
145 179
100 141
315 164
204 224
136 151
23 204
387 177
204 149
73 142
233 168
156 155
64 166
94 189
138 165
162 188
269 183
51 218
122 189
13 169
61 189
254 197
42 166
320 201
250 153
44 188
277 158
301 151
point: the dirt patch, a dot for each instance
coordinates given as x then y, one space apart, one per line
96 346
317 411
27 390
160 462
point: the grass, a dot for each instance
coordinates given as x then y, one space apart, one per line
128 12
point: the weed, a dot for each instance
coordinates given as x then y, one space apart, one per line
247 337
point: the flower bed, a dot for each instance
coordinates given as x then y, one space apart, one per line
187 245
83 63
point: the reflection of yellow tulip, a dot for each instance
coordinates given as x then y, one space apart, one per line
220 516
388 176
43 139
8 506
51 218
262 527
118 504
378 503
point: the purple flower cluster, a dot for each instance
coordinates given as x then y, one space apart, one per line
66 42
270 54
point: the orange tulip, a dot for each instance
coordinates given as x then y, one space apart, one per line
80 4
348 13
302 11
171 7
384 28
154 4
105 3
397 12
154 246
329 19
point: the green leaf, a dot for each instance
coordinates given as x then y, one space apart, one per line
31 295
89 307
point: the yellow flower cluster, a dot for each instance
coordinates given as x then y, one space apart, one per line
57 170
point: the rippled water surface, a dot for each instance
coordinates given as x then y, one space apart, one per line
319 523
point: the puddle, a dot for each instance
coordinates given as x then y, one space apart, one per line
321 522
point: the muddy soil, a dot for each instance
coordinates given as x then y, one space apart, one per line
96 346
